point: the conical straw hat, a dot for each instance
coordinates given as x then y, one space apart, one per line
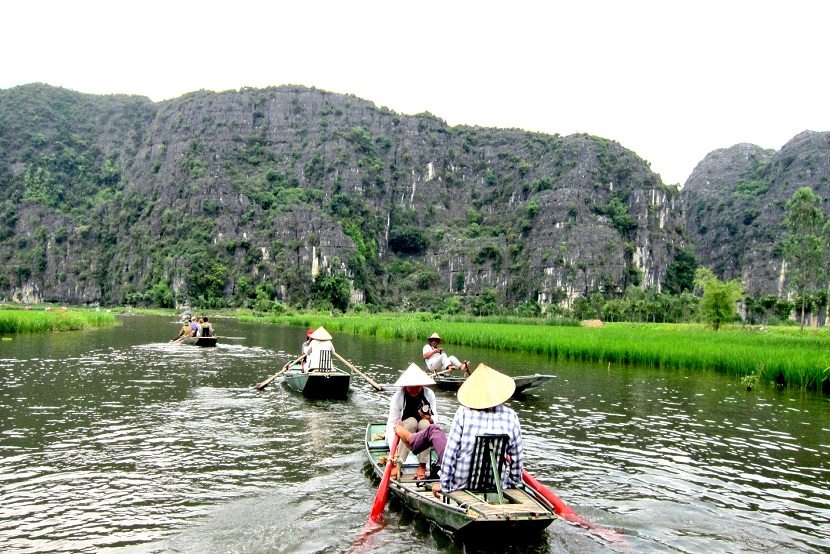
320 334
414 376
485 388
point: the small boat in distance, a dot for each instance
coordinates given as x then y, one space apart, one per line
318 383
468 514
523 382
200 341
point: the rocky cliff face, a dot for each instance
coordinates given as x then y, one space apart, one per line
216 194
735 203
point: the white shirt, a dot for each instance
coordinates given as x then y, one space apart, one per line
435 361
396 411
312 352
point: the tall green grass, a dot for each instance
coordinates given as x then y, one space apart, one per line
36 321
781 355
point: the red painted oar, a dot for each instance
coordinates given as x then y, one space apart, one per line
383 490
565 512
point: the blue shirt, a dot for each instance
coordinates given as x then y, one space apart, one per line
458 456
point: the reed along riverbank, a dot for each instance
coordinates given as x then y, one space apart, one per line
41 321
783 355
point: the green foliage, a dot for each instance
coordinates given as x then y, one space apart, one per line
490 177
332 289
621 219
206 278
750 189
489 253
362 141
719 298
36 321
528 309
680 273
408 239
799 357
315 168
458 282
805 243
427 278
485 303
474 217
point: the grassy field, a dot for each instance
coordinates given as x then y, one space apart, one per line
39 320
784 355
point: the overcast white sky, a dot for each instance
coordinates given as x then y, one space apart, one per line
672 79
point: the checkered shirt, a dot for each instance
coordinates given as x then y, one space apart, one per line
458 456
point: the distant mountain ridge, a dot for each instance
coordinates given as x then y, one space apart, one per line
253 193
735 202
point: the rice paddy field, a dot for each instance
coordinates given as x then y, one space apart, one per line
39 320
784 355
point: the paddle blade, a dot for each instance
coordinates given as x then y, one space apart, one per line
565 512
383 490
562 510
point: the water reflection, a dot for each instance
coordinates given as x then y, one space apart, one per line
118 440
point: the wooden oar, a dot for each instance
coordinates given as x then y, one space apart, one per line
353 368
228 338
440 372
383 490
268 381
565 512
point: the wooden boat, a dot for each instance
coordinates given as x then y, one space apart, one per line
465 514
523 382
333 383
200 341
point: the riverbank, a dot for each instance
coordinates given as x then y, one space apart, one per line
56 319
781 355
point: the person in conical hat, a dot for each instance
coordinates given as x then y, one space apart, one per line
318 350
320 334
482 410
437 360
303 346
414 405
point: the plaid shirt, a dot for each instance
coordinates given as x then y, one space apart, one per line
458 456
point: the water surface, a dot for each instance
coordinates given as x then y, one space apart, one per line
115 440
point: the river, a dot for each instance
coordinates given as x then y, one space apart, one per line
115 440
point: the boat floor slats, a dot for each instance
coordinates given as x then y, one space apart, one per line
519 503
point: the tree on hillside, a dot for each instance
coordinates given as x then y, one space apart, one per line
719 298
680 274
332 289
804 244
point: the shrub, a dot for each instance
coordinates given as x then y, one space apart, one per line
408 239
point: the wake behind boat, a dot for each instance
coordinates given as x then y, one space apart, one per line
200 341
467 514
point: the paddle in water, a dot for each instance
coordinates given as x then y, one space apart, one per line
362 543
383 490
565 512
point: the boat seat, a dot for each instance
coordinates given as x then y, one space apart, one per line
325 362
487 465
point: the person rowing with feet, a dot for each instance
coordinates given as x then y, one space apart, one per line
437 360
